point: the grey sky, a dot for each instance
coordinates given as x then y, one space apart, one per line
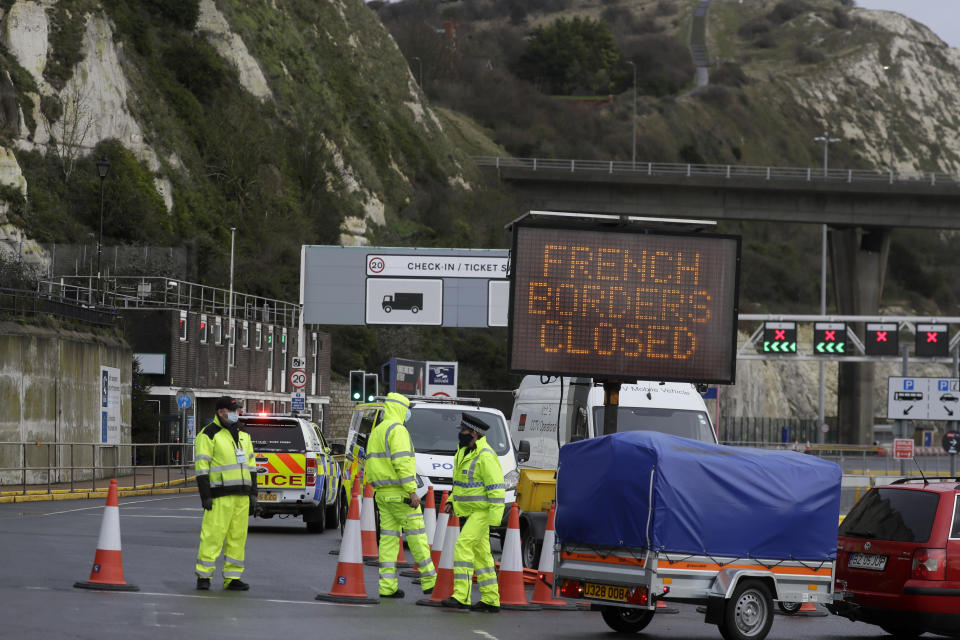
942 16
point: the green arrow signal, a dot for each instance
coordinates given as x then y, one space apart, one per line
793 347
840 347
820 347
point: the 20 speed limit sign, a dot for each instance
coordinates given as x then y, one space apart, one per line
298 378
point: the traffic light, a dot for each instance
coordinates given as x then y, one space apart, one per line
933 341
370 381
881 339
779 337
829 338
356 386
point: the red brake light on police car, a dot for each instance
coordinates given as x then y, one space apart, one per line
262 414
311 472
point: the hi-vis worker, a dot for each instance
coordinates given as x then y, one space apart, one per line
228 493
391 468
478 496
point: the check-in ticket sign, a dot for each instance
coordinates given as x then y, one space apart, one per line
621 304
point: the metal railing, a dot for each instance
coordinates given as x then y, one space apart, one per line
805 174
165 293
57 467
33 303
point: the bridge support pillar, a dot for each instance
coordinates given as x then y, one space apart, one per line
858 256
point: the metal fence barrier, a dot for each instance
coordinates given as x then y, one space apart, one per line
56 467
21 302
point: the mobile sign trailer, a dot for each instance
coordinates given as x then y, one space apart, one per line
618 302
655 523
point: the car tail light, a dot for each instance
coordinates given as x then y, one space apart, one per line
311 472
571 588
638 595
929 564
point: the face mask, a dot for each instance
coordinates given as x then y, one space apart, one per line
465 439
407 417
232 417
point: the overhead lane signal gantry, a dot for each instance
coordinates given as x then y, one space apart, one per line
779 337
829 338
881 339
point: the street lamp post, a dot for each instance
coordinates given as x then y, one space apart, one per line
633 155
419 71
103 168
826 140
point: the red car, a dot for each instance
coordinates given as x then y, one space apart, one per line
898 558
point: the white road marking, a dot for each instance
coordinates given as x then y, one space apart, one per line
144 515
199 597
484 634
122 505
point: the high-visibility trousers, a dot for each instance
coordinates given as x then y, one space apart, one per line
396 516
472 555
224 528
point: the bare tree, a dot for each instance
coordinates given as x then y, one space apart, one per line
70 126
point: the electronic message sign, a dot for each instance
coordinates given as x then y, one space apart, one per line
932 341
881 339
779 337
616 303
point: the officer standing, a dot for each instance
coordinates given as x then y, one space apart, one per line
391 468
228 493
478 496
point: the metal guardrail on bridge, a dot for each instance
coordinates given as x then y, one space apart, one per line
806 174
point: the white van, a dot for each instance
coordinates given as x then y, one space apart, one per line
433 426
669 407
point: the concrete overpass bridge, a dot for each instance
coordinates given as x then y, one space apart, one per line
860 208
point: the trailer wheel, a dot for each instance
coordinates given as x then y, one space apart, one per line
749 612
789 608
529 549
626 620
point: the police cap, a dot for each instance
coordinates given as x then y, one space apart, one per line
471 422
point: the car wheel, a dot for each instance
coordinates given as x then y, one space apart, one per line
789 608
749 612
626 620
318 521
903 633
333 514
387 308
529 549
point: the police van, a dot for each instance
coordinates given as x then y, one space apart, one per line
433 426
296 471
549 412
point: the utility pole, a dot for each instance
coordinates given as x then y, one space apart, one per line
231 339
633 155
826 140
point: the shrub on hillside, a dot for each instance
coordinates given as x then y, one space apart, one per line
198 67
808 55
788 10
663 64
567 57
665 8
729 74
841 18
753 28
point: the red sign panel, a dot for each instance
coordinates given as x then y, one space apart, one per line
622 304
902 449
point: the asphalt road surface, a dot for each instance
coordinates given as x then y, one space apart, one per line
47 546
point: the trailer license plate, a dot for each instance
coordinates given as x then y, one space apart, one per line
605 592
267 497
870 561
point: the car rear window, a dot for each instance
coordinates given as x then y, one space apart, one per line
274 436
899 515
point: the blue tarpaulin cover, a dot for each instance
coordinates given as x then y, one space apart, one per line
652 490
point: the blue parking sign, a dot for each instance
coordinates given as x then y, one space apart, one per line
943 385
908 385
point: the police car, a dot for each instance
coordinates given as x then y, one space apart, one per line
433 427
296 472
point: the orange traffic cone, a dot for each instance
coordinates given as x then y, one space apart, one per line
663 608
107 572
443 518
348 583
368 527
543 593
443 589
429 524
512 592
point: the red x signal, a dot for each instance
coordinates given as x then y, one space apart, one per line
779 334
932 336
881 336
831 336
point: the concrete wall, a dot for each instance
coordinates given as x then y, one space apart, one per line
50 393
336 420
